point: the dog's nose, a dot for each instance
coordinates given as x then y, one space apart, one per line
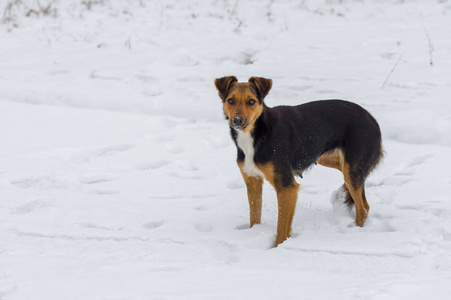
238 121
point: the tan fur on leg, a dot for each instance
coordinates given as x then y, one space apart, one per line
357 194
286 199
254 194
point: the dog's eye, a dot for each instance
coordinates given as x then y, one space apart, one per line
251 102
231 101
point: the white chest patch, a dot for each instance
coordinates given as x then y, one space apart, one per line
246 143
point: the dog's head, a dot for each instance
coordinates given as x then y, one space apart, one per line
243 101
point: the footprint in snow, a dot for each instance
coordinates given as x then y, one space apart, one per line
95 178
186 176
203 227
88 155
235 184
164 138
445 233
153 224
94 226
405 172
412 167
188 166
33 206
419 160
104 192
381 223
223 251
242 227
40 182
174 149
204 206
152 165
112 150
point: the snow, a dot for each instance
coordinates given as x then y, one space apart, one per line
117 173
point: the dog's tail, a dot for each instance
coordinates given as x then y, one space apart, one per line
348 199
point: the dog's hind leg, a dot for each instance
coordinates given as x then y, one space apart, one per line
354 187
254 194
357 191
335 159
365 203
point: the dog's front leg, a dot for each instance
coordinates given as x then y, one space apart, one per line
254 194
286 199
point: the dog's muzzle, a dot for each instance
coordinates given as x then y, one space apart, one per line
238 121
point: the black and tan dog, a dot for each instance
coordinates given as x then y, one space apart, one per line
280 142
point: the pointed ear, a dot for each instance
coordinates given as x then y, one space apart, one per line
223 85
263 85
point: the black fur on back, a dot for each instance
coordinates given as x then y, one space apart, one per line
294 137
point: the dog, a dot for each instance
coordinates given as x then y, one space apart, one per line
279 143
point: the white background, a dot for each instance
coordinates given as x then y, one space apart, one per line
117 173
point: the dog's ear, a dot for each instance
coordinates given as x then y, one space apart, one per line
263 85
223 85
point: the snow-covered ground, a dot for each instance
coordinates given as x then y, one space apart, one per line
117 173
